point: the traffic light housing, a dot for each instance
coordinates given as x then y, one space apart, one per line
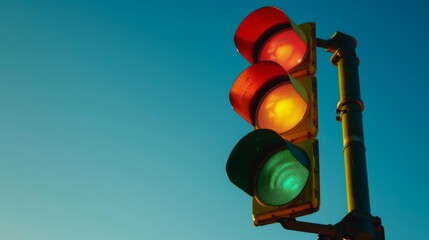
281 177
277 163
266 96
268 34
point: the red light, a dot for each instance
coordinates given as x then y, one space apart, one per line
285 48
255 28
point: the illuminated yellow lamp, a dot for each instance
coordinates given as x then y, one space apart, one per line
283 108
267 97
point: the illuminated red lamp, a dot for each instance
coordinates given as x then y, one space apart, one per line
268 98
268 34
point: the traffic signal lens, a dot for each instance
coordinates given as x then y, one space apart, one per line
281 179
282 109
285 48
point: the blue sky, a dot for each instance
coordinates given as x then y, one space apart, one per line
116 124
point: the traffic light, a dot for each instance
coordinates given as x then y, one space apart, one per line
266 96
277 163
268 34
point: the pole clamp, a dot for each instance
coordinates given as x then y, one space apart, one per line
344 105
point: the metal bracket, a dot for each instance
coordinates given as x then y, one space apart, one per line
354 226
344 105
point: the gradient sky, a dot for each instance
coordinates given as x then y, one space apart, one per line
116 124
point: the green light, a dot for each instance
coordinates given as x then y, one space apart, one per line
282 178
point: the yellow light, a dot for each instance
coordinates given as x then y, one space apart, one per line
281 109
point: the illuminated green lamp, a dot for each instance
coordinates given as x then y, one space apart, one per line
281 177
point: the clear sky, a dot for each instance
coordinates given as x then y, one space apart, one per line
115 121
